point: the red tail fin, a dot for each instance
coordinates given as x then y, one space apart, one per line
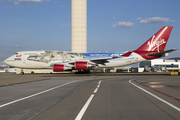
158 41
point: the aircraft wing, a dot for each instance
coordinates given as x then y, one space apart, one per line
161 53
104 58
93 60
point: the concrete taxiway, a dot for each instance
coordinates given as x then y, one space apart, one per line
62 97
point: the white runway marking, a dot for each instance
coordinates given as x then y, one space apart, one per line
36 94
95 91
178 109
83 110
99 82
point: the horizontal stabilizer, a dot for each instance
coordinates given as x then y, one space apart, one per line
160 53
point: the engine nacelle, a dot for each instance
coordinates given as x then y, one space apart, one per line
81 65
58 68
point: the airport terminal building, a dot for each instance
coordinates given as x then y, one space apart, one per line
159 65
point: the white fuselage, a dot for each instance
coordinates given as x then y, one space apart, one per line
40 60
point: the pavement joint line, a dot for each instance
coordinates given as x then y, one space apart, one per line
171 105
83 110
22 82
33 95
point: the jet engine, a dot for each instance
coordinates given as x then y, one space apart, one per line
81 65
78 65
58 68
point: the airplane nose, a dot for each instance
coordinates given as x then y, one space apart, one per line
5 61
9 61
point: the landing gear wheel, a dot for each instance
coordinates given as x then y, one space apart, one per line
22 72
86 71
83 72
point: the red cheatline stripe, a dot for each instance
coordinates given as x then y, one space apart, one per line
159 91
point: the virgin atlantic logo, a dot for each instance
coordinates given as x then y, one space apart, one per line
155 43
18 55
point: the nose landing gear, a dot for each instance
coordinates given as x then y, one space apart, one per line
22 72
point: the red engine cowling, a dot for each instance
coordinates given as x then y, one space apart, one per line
80 65
58 68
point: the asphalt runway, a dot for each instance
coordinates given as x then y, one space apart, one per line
90 97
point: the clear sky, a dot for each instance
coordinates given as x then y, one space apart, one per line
112 25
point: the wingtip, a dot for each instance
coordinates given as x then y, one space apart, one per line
174 49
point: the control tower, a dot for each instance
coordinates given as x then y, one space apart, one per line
79 25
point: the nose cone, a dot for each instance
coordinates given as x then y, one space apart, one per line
5 61
9 61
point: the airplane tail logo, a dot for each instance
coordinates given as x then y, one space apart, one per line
158 41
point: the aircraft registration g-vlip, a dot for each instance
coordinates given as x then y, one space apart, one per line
67 61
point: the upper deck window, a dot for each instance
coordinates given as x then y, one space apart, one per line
30 53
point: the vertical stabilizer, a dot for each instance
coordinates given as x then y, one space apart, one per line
158 41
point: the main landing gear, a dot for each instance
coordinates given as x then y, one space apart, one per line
83 72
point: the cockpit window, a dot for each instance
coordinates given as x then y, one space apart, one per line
16 53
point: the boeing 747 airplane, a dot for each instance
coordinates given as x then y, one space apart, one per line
61 61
